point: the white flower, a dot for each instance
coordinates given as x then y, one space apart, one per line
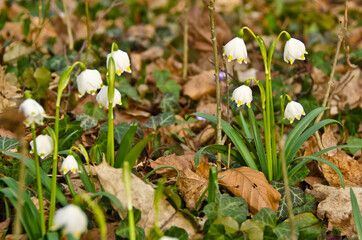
69 164
168 238
102 97
89 81
236 49
72 218
293 110
121 61
241 95
33 112
294 49
44 145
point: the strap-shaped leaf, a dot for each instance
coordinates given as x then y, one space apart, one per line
234 137
134 153
125 146
220 149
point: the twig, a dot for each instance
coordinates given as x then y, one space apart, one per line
69 29
218 105
186 46
330 83
85 43
345 46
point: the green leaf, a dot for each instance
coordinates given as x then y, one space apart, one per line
266 216
134 153
166 85
169 103
282 231
234 137
120 131
220 149
8 143
217 232
86 122
319 61
254 228
95 112
297 197
213 187
43 77
225 205
26 26
125 145
352 140
177 232
309 206
3 17
300 175
161 75
356 213
127 89
308 226
67 127
160 120
123 231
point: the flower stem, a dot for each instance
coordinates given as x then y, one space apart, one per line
127 186
70 184
216 62
38 181
110 134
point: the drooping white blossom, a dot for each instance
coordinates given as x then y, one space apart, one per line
32 111
89 81
44 145
69 164
236 49
72 218
293 110
242 95
121 61
294 49
102 97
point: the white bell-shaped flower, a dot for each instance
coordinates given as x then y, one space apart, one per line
44 145
121 61
293 110
72 218
69 164
236 49
102 97
33 112
168 238
294 49
89 81
242 95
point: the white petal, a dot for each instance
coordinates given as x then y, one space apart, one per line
44 145
102 97
121 61
33 111
72 218
236 49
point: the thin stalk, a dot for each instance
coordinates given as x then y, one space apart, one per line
69 29
54 170
218 104
127 186
227 88
19 204
70 184
287 191
186 45
38 180
88 29
110 134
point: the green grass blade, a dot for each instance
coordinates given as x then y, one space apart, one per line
300 127
134 153
44 177
84 175
125 146
356 214
335 147
258 143
220 149
213 185
295 168
110 197
307 134
245 127
234 137
66 139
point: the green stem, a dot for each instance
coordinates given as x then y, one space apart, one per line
127 186
70 184
38 181
282 101
216 64
110 134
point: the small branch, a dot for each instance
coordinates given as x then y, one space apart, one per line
69 29
85 43
186 46
345 28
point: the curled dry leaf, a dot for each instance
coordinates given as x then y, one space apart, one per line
142 199
335 204
191 186
252 186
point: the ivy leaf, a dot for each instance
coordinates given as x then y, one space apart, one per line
127 89
120 130
8 143
65 129
300 175
266 216
160 120
86 121
169 103
166 85
177 232
309 205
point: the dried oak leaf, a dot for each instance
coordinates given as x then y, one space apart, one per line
142 199
180 162
336 206
200 85
252 186
191 186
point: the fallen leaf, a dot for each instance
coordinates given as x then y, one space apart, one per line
200 85
4 225
94 233
252 186
142 199
328 140
152 53
191 186
336 206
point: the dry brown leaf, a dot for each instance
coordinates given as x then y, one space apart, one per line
203 169
4 225
336 206
152 53
328 140
252 186
200 85
191 186
171 64
94 233
183 162
142 199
